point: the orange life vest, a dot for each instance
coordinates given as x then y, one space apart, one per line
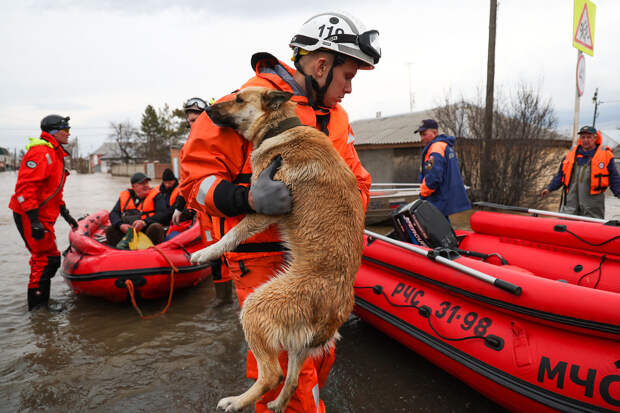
174 195
147 207
599 174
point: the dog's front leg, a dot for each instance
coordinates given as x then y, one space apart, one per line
249 226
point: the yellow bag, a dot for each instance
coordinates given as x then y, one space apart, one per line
139 241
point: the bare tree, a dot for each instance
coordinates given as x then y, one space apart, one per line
125 135
515 163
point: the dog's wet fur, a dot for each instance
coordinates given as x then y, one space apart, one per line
301 308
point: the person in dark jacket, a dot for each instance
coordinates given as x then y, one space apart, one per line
169 186
38 201
586 171
140 207
440 178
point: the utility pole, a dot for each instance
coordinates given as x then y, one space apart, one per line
485 172
488 114
596 103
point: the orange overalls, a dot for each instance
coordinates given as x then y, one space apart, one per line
215 179
40 183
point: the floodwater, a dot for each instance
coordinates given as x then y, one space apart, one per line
101 357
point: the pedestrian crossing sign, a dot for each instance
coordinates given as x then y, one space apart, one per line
583 26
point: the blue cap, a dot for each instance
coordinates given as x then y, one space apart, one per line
586 129
427 124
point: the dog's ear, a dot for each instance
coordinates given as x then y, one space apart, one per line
273 99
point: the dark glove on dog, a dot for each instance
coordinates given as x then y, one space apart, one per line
67 216
36 228
271 197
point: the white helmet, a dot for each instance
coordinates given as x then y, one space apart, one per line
341 33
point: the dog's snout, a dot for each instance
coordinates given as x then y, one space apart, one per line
219 118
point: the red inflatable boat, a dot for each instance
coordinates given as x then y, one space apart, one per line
93 268
540 333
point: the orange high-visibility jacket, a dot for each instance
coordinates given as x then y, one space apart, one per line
215 162
599 174
41 179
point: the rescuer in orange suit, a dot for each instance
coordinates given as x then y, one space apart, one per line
38 201
328 50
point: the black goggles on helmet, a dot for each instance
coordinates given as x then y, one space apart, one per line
368 42
195 104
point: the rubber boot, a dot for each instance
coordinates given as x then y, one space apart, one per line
223 294
36 299
39 298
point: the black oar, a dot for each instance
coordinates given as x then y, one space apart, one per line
504 285
539 212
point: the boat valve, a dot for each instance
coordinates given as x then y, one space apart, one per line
377 289
559 228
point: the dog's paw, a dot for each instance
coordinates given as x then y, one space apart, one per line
204 255
229 404
276 406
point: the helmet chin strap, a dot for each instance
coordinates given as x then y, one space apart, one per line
312 84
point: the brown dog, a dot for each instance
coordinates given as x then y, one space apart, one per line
300 309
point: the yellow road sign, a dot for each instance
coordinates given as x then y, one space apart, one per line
584 17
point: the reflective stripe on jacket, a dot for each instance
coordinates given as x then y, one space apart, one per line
41 178
215 162
599 172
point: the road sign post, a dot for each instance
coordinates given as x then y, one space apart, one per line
584 17
579 88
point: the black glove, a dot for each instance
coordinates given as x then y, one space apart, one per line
67 216
36 228
271 197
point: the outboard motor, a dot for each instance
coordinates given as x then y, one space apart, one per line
420 222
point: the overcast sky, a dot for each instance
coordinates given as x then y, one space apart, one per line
104 61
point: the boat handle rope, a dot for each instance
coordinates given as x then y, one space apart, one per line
130 288
492 341
563 228
599 269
